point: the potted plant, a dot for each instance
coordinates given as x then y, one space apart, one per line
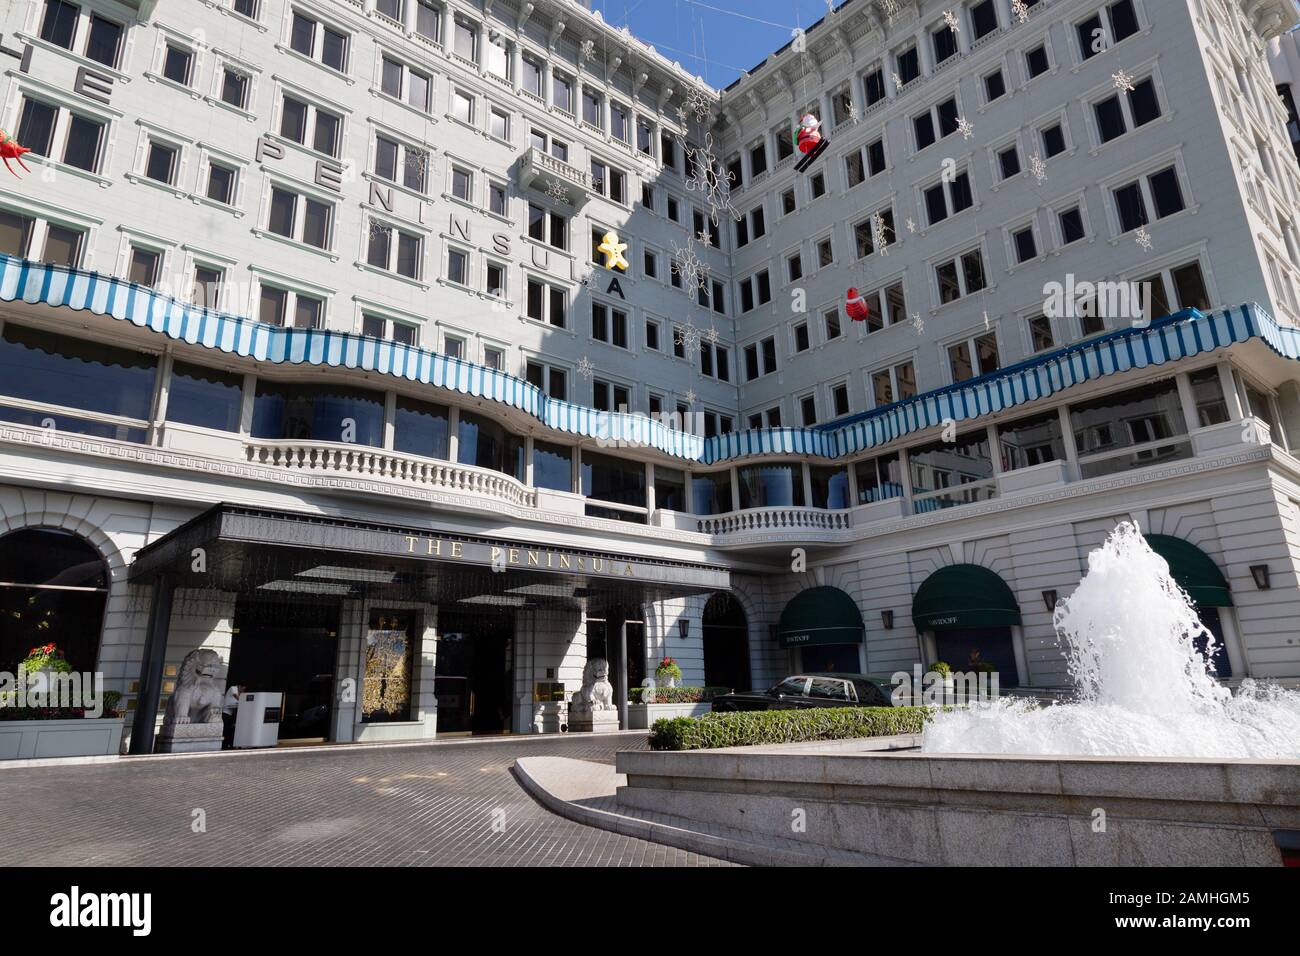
668 672
32 724
944 670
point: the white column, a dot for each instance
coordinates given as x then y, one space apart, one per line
448 27
1067 439
453 440
390 419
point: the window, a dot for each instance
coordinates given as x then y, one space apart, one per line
453 346
1175 289
948 198
396 250
864 233
310 126
840 399
497 199
817 185
808 410
760 358
144 265
104 41
974 356
1117 114
1207 393
496 280
462 106
532 75
207 287
610 397
548 227
177 64
234 88
644 138
609 182
619 123
755 290
562 92
948 474
794 267
778 485
801 339
591 108
788 202
276 305
1036 62
400 163
380 327
498 55
1008 162
221 183
82 141
825 253
1040 333
879 479
403 83
319 42
1024 244
551 380
465 39
1071 222
484 443
944 41
873 82
866 161
941 117
458 267
752 225
160 162
983 19
960 277
204 397
1053 137
995 86
1031 441
893 384
615 481
300 217
1120 24
886 306
1159 192
650 264
546 303
246 8
59 23
907 64
462 184
652 327
1132 429
609 325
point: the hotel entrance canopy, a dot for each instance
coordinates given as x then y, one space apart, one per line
272 553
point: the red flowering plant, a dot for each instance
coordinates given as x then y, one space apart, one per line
668 668
47 657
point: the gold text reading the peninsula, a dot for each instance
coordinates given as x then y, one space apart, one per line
516 557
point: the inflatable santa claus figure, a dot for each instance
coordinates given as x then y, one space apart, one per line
809 134
856 306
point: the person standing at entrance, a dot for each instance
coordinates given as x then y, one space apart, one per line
228 708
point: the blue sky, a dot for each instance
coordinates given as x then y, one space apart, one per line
715 38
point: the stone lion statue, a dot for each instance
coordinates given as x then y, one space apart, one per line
597 692
198 694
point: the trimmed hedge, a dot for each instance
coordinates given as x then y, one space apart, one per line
748 728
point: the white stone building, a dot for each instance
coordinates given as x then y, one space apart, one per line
308 354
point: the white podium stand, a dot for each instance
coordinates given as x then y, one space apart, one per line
257 721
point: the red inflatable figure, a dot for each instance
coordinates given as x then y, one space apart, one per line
810 141
9 149
856 306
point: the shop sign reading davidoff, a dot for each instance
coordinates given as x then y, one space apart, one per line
499 556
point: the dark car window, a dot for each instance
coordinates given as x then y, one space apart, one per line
792 687
828 688
870 695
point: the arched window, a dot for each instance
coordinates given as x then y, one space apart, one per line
53 585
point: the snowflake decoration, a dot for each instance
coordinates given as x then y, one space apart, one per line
690 396
1143 238
688 265
588 50
898 81
681 114
697 101
688 337
713 335
890 7
918 323
1123 81
704 237
1020 10
556 192
375 228
855 114
987 321
878 237
1038 168
965 127
911 224
585 367
950 18
707 178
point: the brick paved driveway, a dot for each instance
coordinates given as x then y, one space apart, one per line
449 803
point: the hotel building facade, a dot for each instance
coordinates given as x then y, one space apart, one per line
309 353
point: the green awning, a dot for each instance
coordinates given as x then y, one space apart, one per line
961 596
820 616
1193 570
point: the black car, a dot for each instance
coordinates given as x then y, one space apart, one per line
811 690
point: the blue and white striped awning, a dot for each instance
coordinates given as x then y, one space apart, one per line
1179 336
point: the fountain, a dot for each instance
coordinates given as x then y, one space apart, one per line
1143 687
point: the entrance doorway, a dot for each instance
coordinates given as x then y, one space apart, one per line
964 648
474 677
726 643
289 647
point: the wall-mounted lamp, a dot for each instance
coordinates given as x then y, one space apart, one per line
683 629
1260 573
1049 600
887 619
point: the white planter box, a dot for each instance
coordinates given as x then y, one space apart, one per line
641 716
76 737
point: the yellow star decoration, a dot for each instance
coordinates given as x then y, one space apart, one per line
613 250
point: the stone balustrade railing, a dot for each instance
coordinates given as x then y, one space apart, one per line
359 461
775 520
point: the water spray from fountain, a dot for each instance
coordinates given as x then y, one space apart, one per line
1143 687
